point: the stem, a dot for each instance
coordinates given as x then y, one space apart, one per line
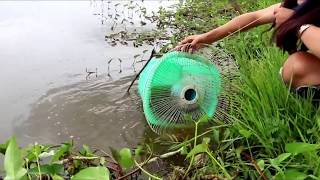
194 145
27 166
39 170
222 168
146 172
204 133
249 147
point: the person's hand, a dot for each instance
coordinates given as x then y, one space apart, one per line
282 14
191 43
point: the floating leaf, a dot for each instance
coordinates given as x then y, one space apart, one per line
201 148
144 51
13 162
92 173
297 148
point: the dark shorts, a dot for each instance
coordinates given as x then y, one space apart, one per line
312 92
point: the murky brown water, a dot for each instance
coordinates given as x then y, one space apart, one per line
45 48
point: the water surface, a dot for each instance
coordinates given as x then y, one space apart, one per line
45 94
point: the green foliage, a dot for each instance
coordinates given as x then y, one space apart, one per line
3 147
50 169
92 173
278 160
297 148
13 162
291 174
200 148
86 151
63 149
62 162
126 159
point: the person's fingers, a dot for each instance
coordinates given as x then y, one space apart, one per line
186 40
194 42
191 50
177 48
183 47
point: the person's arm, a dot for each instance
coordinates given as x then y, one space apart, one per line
243 22
311 38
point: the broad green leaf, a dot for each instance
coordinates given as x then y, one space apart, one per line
297 148
245 133
13 162
64 148
293 174
126 159
92 173
260 163
48 169
277 161
201 148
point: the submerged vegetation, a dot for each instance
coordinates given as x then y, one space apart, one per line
272 134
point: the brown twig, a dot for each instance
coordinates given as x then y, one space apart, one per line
129 174
135 78
253 161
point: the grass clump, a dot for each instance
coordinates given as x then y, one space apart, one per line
273 134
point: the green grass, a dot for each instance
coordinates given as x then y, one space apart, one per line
272 116
272 133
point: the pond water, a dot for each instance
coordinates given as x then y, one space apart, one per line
45 94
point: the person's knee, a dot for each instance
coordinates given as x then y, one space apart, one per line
294 68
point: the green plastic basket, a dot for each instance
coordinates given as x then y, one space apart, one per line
177 89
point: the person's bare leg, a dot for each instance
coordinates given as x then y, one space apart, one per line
301 69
